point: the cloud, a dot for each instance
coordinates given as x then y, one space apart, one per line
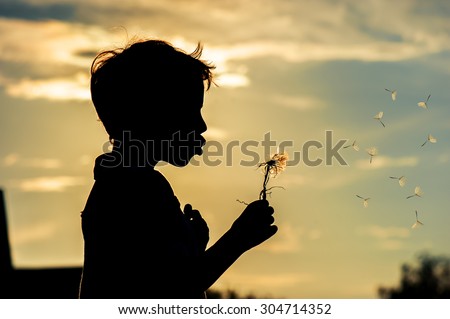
33 233
291 31
232 80
370 30
386 161
322 180
10 159
24 10
391 244
69 88
48 183
47 42
86 160
15 159
301 103
390 232
286 241
388 238
215 133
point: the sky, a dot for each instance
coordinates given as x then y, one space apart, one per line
291 70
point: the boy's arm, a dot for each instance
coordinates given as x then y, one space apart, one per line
250 229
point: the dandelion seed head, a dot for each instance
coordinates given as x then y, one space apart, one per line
393 94
365 200
418 191
353 145
416 224
276 164
431 138
373 151
379 116
423 104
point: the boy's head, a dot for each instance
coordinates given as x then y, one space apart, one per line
151 91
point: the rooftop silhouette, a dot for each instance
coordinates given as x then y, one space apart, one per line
32 283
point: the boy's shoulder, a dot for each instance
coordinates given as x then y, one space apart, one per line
136 179
137 191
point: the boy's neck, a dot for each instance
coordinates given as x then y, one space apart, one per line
135 155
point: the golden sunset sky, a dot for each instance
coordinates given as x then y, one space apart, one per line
294 69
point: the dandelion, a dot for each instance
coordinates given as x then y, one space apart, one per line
430 139
378 117
417 192
393 94
423 104
272 168
401 180
365 201
417 223
353 145
372 152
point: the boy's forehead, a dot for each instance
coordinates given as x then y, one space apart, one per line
194 89
191 81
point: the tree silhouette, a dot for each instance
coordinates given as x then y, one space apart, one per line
429 278
227 294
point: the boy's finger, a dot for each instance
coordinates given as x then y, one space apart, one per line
271 230
195 214
188 210
260 203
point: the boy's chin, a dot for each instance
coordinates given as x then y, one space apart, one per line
180 162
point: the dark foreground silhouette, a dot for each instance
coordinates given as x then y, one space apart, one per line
428 278
138 242
51 283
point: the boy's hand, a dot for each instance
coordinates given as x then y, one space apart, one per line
254 226
198 224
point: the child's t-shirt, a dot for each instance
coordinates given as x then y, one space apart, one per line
137 241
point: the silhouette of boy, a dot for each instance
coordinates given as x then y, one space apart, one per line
138 243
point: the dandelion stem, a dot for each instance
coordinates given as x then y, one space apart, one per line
263 194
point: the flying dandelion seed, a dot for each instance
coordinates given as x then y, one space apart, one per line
272 168
417 193
378 117
353 145
417 223
372 152
393 94
401 180
430 139
365 201
423 104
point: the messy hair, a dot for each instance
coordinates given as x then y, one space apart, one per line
122 77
